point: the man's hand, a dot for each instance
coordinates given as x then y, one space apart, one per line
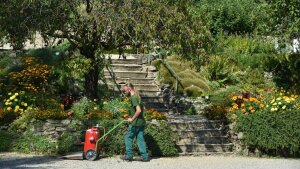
130 120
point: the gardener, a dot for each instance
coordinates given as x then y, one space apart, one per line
136 125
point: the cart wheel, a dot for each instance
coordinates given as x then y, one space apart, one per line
91 155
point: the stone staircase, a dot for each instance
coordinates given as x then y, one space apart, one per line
135 70
200 136
197 135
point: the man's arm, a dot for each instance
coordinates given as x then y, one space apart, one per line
137 113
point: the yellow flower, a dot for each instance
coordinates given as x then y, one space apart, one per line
279 98
252 111
25 104
9 109
16 94
283 107
9 94
250 108
242 105
279 103
261 105
16 100
234 98
273 101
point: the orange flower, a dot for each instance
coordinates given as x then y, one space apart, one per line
250 108
252 111
245 99
244 111
122 110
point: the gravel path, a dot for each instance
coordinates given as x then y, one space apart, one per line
19 161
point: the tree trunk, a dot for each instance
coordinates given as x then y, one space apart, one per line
91 82
92 77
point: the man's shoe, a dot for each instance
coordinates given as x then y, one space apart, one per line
147 160
126 158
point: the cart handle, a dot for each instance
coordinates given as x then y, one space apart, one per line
108 132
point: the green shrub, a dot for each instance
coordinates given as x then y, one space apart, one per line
29 142
83 107
272 132
65 143
160 140
220 69
285 68
193 91
5 140
231 16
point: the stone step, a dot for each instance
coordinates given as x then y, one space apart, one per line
157 99
126 67
127 74
126 61
155 105
194 125
200 132
143 93
151 87
205 148
134 80
203 140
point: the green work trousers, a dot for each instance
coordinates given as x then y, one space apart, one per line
138 133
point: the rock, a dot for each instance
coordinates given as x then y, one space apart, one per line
60 129
52 121
240 135
3 127
66 122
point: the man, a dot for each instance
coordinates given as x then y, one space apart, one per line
136 127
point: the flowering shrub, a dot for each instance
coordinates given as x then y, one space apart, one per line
154 114
43 114
33 76
280 101
118 107
268 122
16 103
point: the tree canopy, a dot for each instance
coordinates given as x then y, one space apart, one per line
93 26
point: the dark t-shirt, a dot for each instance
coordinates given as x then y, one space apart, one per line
140 120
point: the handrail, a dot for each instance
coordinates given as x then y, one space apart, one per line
170 69
113 75
173 73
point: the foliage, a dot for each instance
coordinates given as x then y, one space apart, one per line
33 76
193 91
44 114
246 51
268 121
7 117
118 107
220 69
231 16
285 18
29 142
151 114
160 140
94 27
272 132
216 111
16 103
285 69
5 140
83 107
66 141
187 74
